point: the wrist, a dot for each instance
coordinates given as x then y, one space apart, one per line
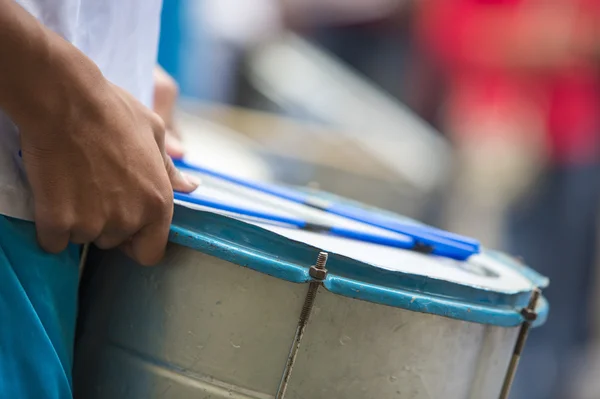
50 81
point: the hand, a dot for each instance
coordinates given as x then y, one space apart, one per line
99 173
94 156
166 92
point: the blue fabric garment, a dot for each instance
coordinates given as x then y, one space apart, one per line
38 310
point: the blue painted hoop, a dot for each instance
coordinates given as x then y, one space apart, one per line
266 252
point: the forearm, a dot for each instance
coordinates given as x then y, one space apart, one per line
39 70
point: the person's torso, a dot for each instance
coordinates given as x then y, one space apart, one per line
121 37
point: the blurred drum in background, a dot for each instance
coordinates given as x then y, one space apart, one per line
318 87
328 126
239 300
213 144
273 148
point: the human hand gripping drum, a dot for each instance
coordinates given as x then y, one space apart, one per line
95 157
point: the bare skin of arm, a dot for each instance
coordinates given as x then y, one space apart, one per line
94 156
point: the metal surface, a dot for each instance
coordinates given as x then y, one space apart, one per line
274 148
276 255
200 327
215 145
318 272
217 317
530 316
82 260
427 239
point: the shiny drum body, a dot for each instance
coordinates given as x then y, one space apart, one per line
218 317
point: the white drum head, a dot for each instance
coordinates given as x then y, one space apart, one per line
481 271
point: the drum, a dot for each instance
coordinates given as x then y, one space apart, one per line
240 308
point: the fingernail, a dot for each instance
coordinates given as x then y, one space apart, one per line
193 180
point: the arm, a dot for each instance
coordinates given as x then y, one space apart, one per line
94 156
34 63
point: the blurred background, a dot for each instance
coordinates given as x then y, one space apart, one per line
478 116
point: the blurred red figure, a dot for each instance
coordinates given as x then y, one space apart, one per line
523 89
532 60
523 108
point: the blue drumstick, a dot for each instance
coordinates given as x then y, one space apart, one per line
365 216
280 192
427 234
454 251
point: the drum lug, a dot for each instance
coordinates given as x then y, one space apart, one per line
318 272
529 315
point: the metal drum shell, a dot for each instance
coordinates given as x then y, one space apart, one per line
201 326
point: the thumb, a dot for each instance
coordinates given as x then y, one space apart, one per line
179 181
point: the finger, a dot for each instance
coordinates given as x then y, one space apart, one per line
173 146
85 234
119 229
160 134
127 249
179 181
108 240
148 246
51 236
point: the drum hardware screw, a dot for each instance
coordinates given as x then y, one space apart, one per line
318 272
529 314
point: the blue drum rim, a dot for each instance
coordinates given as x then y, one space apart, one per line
250 246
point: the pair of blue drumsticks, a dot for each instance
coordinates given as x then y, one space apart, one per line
409 236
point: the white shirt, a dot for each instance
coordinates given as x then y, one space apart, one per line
120 36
